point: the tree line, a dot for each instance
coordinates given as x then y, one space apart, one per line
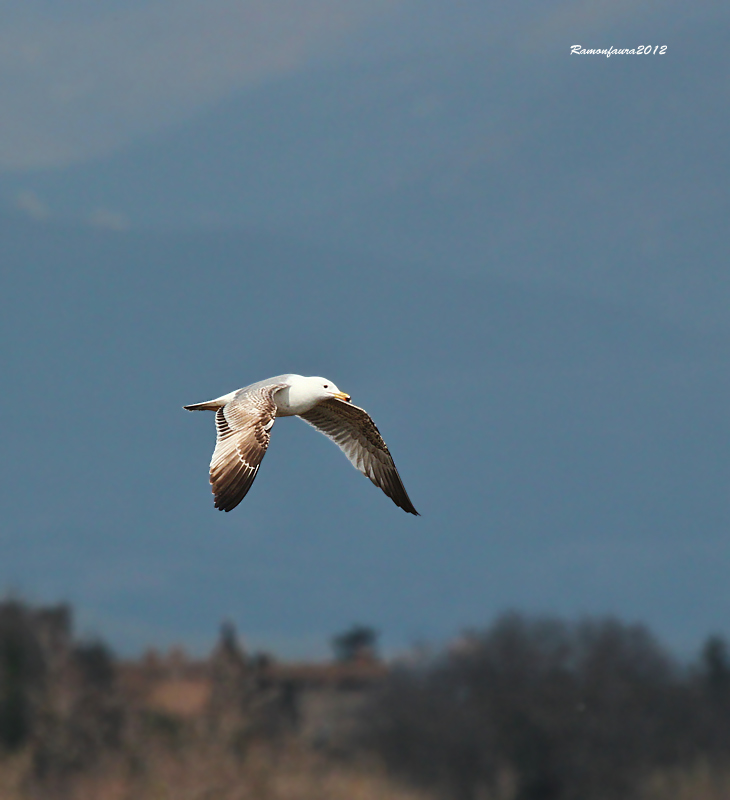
528 708
547 709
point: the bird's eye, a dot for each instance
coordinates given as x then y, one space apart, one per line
326 386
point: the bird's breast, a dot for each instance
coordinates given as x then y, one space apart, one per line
290 402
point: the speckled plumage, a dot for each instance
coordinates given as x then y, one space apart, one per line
244 420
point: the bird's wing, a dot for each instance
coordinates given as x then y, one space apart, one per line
244 429
352 430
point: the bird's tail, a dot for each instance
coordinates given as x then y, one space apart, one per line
210 405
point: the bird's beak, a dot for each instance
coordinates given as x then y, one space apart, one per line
342 396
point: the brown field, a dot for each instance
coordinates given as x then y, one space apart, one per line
291 772
200 773
530 710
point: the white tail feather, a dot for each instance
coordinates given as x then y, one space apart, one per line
212 405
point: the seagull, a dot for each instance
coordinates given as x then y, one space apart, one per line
244 419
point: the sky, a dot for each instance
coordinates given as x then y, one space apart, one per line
513 258
86 79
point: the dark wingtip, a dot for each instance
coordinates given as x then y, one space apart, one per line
404 502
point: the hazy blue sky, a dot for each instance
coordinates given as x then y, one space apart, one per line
514 258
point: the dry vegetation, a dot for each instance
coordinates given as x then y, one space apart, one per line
525 710
700 782
76 724
201 772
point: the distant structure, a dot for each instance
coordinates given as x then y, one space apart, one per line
242 696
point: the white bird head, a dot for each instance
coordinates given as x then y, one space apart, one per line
324 389
303 394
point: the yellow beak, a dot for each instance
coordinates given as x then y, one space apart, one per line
342 396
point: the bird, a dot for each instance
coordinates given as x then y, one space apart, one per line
244 419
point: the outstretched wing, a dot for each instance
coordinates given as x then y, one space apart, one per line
352 430
244 429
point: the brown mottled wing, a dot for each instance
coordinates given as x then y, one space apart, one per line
244 428
355 433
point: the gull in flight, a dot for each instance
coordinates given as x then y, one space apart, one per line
244 419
